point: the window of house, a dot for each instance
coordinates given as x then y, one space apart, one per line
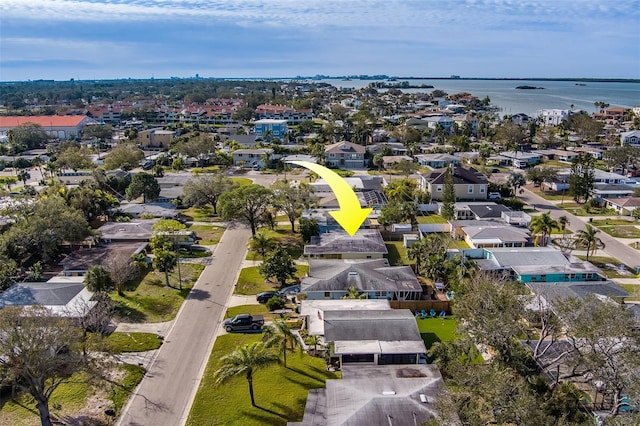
470 189
327 294
439 188
543 278
482 188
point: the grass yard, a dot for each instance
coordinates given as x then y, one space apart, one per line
610 222
397 253
282 235
458 244
552 195
280 392
251 282
633 289
437 329
208 234
602 262
149 300
432 218
117 343
199 214
69 401
241 181
622 231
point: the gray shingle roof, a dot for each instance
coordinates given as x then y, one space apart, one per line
26 294
339 242
387 325
365 275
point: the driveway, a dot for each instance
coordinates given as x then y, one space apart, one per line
165 395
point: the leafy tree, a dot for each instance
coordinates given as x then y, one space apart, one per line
543 225
279 335
621 157
261 243
605 343
98 131
310 228
278 264
164 261
448 210
38 352
98 279
124 156
582 177
585 126
8 270
588 239
391 213
405 167
121 271
378 160
207 189
292 200
74 158
143 184
245 361
158 171
246 203
26 136
199 147
91 200
511 135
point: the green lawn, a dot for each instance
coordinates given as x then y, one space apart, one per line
620 231
241 181
280 392
208 234
70 398
207 169
282 235
432 218
552 195
633 289
150 300
199 214
602 262
251 282
117 343
458 244
610 222
397 253
437 329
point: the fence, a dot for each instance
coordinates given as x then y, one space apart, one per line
419 305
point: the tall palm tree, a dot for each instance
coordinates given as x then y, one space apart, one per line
587 237
543 225
563 222
516 181
245 360
418 251
279 335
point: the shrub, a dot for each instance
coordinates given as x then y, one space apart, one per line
512 203
275 303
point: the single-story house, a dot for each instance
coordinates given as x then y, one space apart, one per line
374 337
78 262
624 206
158 210
477 210
332 279
325 221
480 236
372 395
365 244
553 292
62 296
388 161
437 161
522 159
140 230
534 264
251 157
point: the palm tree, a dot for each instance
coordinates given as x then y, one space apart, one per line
516 180
354 293
313 340
98 279
261 243
418 251
24 176
543 225
279 335
587 237
245 360
563 221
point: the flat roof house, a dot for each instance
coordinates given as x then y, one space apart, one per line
78 262
365 244
331 279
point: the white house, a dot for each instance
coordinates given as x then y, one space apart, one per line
553 117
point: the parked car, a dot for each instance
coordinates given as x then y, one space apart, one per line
266 295
494 196
244 322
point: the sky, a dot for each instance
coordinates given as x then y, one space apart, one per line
109 39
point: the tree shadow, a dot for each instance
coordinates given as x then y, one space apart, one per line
429 339
304 384
275 413
304 373
197 294
128 314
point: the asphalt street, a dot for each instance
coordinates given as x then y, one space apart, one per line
166 393
613 247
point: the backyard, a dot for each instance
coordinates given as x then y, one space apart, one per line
280 392
437 329
611 267
251 282
207 234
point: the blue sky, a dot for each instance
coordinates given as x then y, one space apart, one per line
96 39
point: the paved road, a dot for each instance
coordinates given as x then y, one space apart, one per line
165 395
613 247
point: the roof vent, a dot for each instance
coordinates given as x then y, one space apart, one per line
423 398
353 274
388 392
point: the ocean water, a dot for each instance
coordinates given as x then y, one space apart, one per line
504 95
